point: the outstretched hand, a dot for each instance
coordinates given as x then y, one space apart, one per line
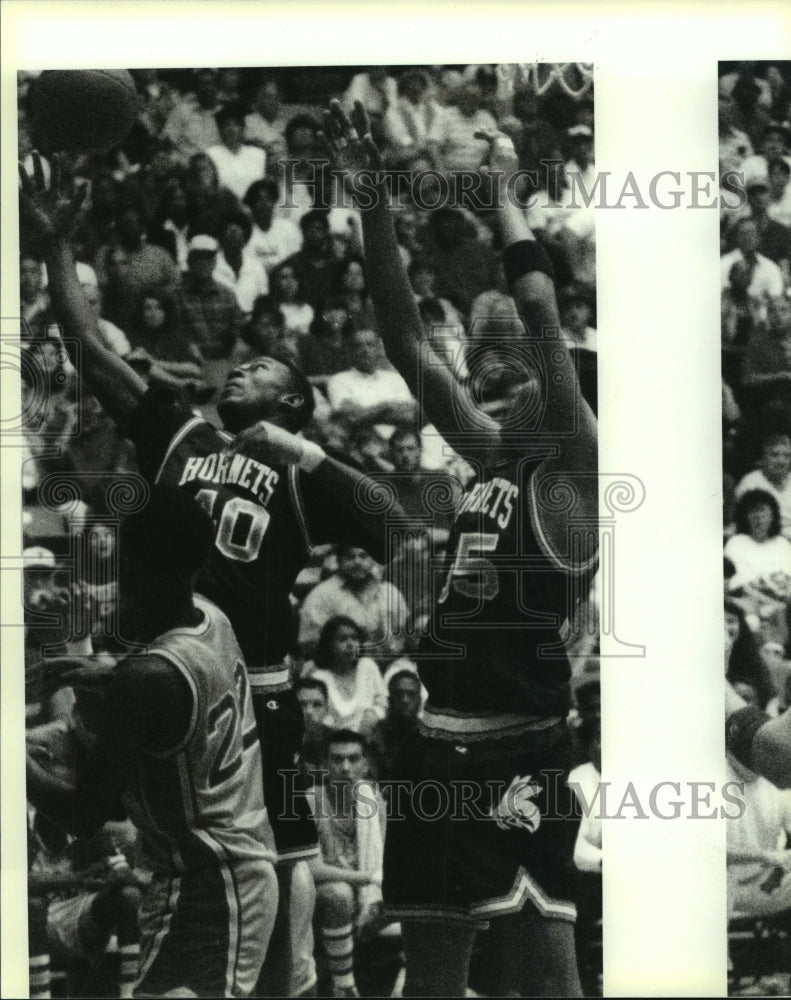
348 140
46 209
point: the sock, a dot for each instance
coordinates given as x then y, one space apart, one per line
129 958
39 977
339 946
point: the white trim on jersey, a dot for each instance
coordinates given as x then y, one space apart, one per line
148 960
176 440
299 507
541 537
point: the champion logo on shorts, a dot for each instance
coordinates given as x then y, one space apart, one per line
516 808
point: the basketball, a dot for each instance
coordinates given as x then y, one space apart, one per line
82 111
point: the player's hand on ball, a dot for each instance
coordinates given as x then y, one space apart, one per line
269 443
46 209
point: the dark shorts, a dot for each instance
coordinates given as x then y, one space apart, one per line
483 829
282 731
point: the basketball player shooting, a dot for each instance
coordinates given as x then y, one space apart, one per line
495 716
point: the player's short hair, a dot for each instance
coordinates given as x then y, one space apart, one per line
748 502
298 416
171 535
308 683
347 736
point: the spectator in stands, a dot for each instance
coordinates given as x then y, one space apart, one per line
234 268
356 693
191 126
463 265
350 817
272 239
356 592
774 476
313 697
775 143
238 165
209 311
324 353
366 392
456 147
265 332
113 336
265 126
171 226
287 293
580 163
350 287
774 239
158 170
423 281
303 181
314 263
162 349
412 122
576 313
760 554
779 207
129 265
209 203
393 733
377 91
766 370
37 313
767 279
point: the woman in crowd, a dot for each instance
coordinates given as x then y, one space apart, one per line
351 287
287 294
357 693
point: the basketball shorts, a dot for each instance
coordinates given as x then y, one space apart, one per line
206 932
480 829
284 786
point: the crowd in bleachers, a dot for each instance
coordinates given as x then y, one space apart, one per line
215 233
755 142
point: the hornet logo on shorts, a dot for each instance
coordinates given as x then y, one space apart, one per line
516 808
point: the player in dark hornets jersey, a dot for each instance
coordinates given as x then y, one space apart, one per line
493 734
176 744
270 494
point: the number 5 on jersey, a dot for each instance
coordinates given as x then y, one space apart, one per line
471 575
241 528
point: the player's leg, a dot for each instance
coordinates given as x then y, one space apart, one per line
536 956
335 905
301 908
115 909
38 949
437 958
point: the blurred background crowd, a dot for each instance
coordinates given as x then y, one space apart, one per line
755 142
214 233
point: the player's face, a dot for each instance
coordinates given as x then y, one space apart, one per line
253 391
313 704
404 699
345 762
777 461
345 646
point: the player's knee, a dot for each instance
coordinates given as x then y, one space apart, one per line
336 897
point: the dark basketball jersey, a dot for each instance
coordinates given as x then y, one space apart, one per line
260 514
494 656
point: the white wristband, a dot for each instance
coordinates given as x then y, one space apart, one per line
312 456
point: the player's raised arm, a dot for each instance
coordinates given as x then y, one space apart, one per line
352 150
117 387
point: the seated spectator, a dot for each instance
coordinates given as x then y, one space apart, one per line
158 170
377 91
234 268
191 126
367 446
463 265
356 693
391 734
34 302
456 147
208 202
773 476
576 313
314 263
774 239
779 207
365 391
265 333
272 239
129 265
350 818
413 121
287 293
156 329
265 126
313 697
302 180
760 554
238 165
743 661
349 286
113 337
766 365
767 280
423 281
775 143
81 892
357 592
171 226
208 310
